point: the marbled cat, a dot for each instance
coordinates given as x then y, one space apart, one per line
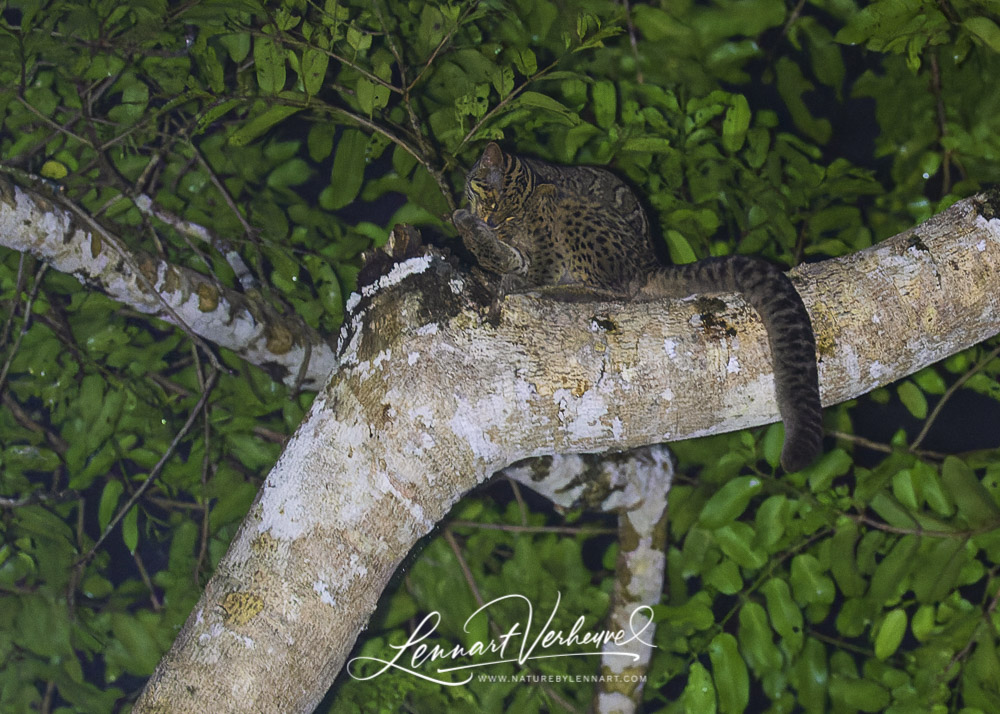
546 227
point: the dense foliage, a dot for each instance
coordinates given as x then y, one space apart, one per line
302 131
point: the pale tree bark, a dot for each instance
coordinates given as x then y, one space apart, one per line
54 231
436 392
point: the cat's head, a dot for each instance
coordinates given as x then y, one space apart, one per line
492 186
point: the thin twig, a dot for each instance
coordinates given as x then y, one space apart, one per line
503 102
948 395
633 41
154 474
141 276
292 42
205 467
973 638
885 448
861 518
39 497
444 40
942 121
792 17
53 124
24 324
57 443
493 625
18 287
154 601
565 530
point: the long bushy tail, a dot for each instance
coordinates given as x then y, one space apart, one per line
793 347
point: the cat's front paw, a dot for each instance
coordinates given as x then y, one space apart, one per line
465 221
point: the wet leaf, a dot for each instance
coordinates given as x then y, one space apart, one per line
728 666
729 501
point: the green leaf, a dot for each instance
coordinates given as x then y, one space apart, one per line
285 20
923 624
756 640
784 613
502 79
605 103
913 399
29 458
930 381
215 112
939 569
109 502
725 577
358 40
232 504
831 465
695 615
771 520
888 580
810 675
973 501
772 443
699 693
371 95
130 529
855 694
792 85
261 123
736 539
890 633
548 104
984 665
681 251
810 582
927 481
136 638
348 170
237 44
844 563
41 628
729 501
647 145
736 123
54 170
269 61
525 61
903 489
878 22
984 29
728 666
95 586
291 173
825 57
320 140
314 64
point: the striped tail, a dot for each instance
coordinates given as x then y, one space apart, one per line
789 331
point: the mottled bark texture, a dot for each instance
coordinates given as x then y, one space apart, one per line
71 243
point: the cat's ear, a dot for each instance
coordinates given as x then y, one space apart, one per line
491 168
492 156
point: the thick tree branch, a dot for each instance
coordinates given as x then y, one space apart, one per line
240 322
435 393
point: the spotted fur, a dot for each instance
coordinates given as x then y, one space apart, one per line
580 228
